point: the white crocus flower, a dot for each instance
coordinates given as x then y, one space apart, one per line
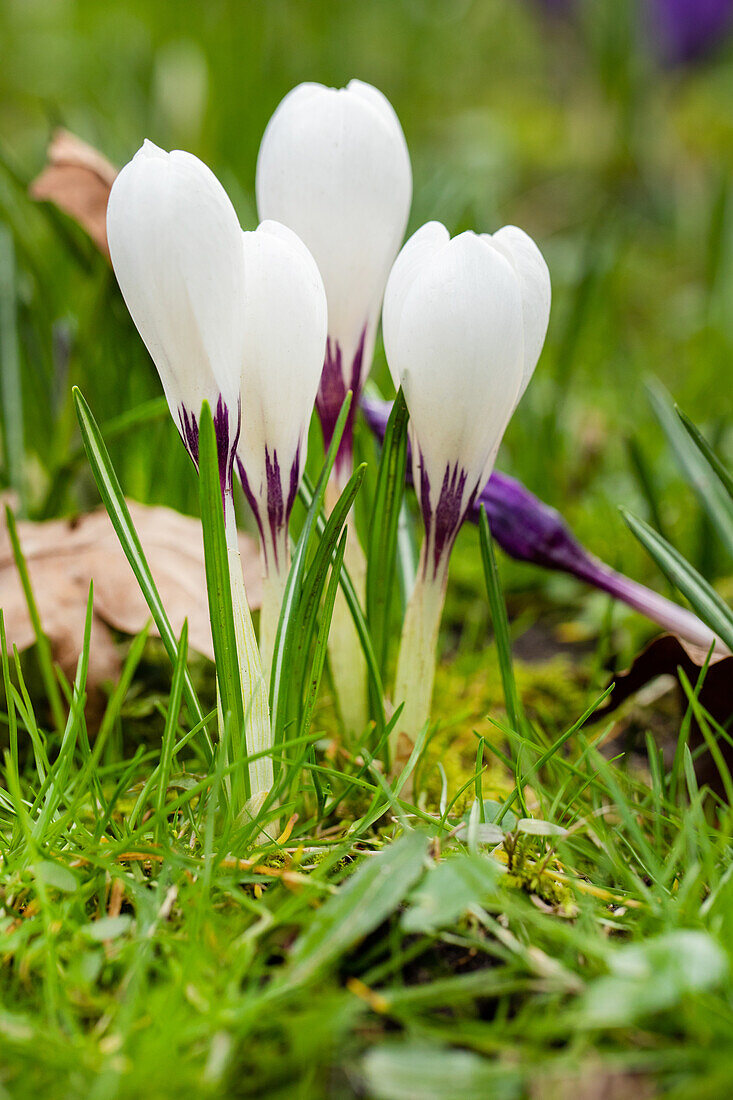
176 249
464 322
285 335
334 167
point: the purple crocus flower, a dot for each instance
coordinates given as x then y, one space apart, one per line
531 531
684 30
680 31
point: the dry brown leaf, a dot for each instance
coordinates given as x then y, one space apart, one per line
77 179
64 555
664 657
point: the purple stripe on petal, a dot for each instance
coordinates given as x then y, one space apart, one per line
252 501
443 523
278 508
332 392
224 449
190 432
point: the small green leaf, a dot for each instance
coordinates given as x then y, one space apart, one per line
56 875
107 928
372 893
652 976
534 826
449 889
412 1070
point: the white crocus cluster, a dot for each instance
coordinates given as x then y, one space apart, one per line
264 324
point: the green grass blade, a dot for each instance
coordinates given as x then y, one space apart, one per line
706 450
289 624
45 659
119 514
148 412
501 624
321 648
9 700
360 623
383 528
315 579
221 611
368 898
703 598
701 476
169 732
11 387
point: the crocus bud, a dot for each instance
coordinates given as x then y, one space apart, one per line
464 321
333 166
285 333
176 249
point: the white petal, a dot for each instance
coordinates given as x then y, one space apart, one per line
334 167
457 349
534 279
175 245
285 335
421 246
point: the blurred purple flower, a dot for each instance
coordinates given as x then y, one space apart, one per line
680 30
531 531
684 30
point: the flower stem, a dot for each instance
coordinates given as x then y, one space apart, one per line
274 579
416 660
257 730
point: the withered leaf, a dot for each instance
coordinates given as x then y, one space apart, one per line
78 180
64 555
665 656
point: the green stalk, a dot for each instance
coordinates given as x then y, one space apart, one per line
416 660
257 728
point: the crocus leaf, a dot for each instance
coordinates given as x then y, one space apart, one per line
119 514
218 587
701 442
702 596
700 474
384 525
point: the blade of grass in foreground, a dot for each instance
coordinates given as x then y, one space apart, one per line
11 390
501 624
360 905
700 474
119 514
383 528
290 612
171 720
701 442
704 599
221 611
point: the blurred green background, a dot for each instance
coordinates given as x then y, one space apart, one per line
618 165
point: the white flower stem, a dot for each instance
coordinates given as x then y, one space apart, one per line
416 660
257 730
274 579
344 648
